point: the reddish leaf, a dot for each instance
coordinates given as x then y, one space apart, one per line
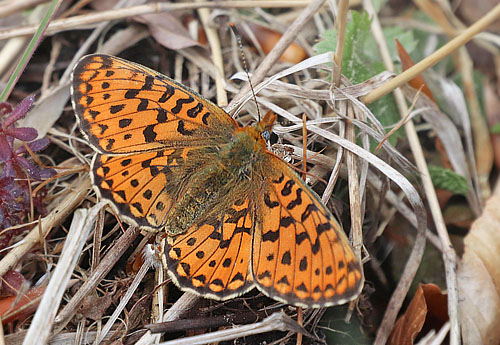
20 111
12 282
406 62
428 307
268 38
17 308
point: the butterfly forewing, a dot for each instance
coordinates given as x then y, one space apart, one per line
123 107
300 253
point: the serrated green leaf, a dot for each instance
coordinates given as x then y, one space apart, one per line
357 63
362 60
443 178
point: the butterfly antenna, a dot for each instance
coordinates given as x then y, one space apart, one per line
245 67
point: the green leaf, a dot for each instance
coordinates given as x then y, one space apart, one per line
443 178
362 60
391 33
357 63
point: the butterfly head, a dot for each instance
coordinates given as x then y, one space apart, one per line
265 126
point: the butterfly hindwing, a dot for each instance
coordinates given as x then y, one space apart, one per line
128 182
124 108
300 254
212 257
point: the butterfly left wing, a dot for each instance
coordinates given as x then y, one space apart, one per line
124 108
301 256
211 259
143 187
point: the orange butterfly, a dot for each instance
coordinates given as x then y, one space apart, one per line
236 216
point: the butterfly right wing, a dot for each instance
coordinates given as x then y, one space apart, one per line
125 108
145 125
301 255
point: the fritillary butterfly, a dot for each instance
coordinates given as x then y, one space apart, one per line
236 215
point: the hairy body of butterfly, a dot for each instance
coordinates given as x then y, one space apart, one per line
215 178
236 216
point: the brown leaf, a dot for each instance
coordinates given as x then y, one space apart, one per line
12 282
140 312
94 307
18 307
167 30
268 38
428 307
478 277
407 62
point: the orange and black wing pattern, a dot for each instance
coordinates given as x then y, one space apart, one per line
212 258
144 125
142 187
125 108
234 215
300 254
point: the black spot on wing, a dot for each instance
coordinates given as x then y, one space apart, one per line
180 102
116 108
182 130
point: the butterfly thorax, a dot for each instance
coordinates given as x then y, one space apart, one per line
211 187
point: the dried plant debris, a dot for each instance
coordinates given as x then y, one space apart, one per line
362 159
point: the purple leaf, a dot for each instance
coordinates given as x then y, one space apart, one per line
20 111
47 173
39 144
23 133
6 181
8 169
5 149
30 168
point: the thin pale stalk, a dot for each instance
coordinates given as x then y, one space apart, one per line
435 57
83 21
448 252
215 49
35 41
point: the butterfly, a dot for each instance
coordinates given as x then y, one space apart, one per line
235 215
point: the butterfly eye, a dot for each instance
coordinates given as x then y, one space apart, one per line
266 135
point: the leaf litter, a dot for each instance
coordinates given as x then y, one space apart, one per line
31 254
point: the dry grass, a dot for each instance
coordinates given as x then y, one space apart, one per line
99 277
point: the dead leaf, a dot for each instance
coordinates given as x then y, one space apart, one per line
268 38
167 30
47 111
12 283
93 307
407 62
427 310
16 308
140 313
478 277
